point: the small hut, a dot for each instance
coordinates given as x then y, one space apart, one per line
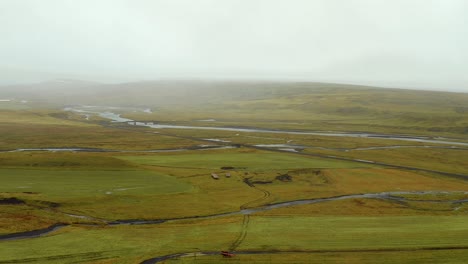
214 176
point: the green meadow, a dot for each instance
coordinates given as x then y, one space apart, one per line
77 184
301 234
245 160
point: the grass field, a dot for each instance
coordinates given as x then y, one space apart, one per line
371 207
405 257
79 184
133 244
448 160
245 160
52 128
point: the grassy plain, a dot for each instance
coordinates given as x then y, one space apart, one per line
403 257
131 244
370 207
58 129
244 159
446 160
73 184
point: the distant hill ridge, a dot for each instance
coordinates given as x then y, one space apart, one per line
185 92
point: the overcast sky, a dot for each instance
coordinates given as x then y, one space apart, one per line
405 43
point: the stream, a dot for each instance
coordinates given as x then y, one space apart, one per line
383 195
117 118
199 147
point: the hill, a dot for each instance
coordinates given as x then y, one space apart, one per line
291 105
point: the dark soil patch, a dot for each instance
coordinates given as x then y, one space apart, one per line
48 204
284 178
308 171
136 222
252 183
262 182
12 200
248 182
233 168
317 172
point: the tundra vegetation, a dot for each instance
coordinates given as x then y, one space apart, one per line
121 193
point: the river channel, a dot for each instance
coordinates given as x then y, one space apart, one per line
392 196
424 139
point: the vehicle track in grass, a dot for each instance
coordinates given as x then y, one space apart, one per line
265 196
243 233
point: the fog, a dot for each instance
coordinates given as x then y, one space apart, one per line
399 43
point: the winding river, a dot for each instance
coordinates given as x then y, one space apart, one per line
424 139
391 196
199 147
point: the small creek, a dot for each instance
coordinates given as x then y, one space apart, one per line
249 211
32 233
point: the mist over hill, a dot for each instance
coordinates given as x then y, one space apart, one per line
310 105
187 92
153 93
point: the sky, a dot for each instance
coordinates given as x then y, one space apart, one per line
397 43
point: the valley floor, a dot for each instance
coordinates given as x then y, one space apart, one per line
91 191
